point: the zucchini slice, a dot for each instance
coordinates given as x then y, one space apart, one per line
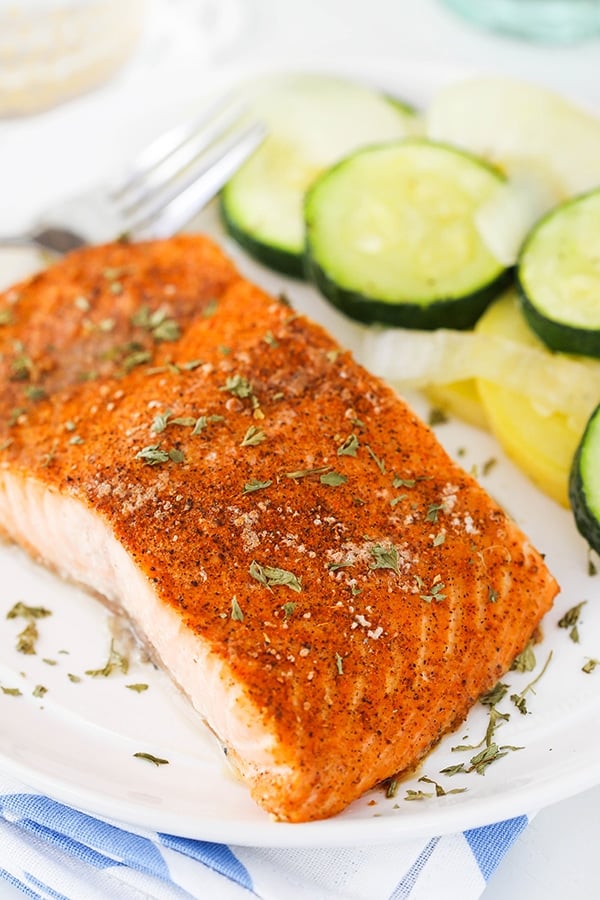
584 483
313 121
558 277
391 235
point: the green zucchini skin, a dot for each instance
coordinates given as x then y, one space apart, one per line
312 120
460 313
560 235
584 496
558 335
382 177
279 259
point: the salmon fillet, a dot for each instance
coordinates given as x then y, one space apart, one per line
330 590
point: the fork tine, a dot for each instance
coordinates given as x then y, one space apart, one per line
162 147
167 185
172 152
171 209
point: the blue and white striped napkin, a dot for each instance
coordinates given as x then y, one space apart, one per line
51 851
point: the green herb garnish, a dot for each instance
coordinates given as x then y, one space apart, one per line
158 323
305 473
238 386
135 358
524 661
379 462
27 638
253 437
391 788
495 695
203 422
255 485
270 340
15 415
435 591
385 558
21 610
34 393
453 770
403 482
349 447
236 612
210 308
437 417
115 663
160 422
433 511
21 368
334 566
153 455
271 577
417 795
333 479
486 757
570 620
439 790
519 699
151 758
489 465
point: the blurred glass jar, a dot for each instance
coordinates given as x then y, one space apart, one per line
51 50
549 21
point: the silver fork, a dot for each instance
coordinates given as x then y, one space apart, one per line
171 180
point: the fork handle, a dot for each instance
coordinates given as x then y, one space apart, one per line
56 240
17 240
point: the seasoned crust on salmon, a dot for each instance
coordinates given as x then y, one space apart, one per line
328 587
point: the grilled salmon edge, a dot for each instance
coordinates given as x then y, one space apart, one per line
293 788
203 676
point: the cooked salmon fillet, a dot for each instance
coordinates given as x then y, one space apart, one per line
327 586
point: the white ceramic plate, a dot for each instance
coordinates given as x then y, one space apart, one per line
78 741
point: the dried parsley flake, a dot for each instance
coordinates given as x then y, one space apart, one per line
255 485
238 386
385 558
349 447
151 758
27 638
271 576
570 620
333 479
236 611
253 437
115 663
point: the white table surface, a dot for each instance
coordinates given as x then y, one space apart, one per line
557 855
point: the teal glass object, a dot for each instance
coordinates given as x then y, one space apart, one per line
546 21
